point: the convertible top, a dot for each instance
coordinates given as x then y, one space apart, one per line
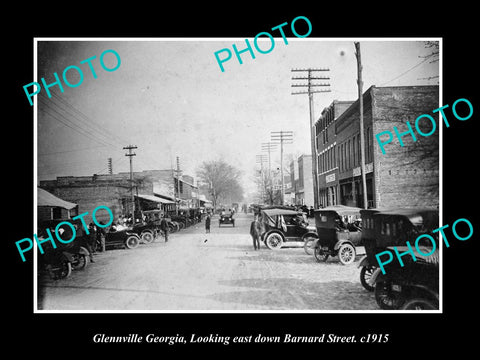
273 212
341 210
418 217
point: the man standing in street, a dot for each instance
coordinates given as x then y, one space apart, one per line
207 224
164 227
255 231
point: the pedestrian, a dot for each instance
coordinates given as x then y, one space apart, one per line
207 224
101 237
255 231
164 227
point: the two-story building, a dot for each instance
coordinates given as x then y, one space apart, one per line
406 176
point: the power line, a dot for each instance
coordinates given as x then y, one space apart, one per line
88 121
407 71
72 125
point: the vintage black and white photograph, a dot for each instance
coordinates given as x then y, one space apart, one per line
238 175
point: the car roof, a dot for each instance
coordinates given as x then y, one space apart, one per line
340 210
273 212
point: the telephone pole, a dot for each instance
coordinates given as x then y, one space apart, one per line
269 146
130 154
176 173
260 160
311 89
282 137
362 135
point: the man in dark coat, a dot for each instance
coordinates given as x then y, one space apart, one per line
207 224
255 231
164 227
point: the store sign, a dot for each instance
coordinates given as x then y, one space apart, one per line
330 178
358 170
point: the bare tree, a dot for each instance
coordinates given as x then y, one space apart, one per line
222 181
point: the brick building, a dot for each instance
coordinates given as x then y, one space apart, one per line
326 150
301 180
405 176
152 189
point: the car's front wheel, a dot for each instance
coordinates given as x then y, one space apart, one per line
346 254
132 242
274 241
147 237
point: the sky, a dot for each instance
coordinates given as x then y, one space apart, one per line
169 98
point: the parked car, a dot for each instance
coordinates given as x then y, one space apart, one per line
226 218
146 231
415 285
117 236
339 232
280 225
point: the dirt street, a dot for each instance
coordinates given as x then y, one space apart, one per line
216 271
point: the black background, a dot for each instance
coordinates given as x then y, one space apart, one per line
427 333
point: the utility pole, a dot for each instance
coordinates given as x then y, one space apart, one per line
362 135
176 183
130 154
110 169
260 160
282 137
311 89
269 146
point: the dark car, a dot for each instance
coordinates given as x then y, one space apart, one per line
121 237
280 225
226 218
414 283
339 231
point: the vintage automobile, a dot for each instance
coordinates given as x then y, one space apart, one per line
147 231
339 231
226 218
280 225
125 237
368 264
415 285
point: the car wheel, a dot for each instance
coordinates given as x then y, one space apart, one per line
366 277
147 237
132 242
419 304
80 262
309 245
386 297
274 241
320 254
346 254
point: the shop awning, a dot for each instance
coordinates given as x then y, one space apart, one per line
44 198
155 199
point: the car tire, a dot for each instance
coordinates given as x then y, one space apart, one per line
274 241
80 263
365 277
386 298
309 243
346 254
132 242
419 304
320 255
147 237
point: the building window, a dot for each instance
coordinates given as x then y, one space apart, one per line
56 213
334 157
354 151
359 155
349 155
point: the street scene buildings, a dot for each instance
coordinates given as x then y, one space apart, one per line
256 162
